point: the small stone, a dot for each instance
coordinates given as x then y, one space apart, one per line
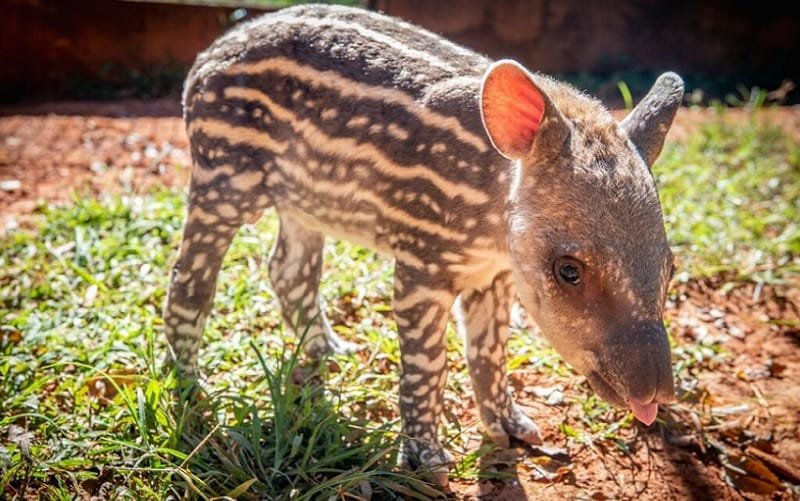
10 185
555 398
132 139
98 167
366 489
90 295
736 332
716 313
11 224
700 332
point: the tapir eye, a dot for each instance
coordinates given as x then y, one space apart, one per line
568 271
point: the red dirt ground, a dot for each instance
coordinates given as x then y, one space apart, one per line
735 434
744 410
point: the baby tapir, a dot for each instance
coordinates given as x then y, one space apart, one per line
483 180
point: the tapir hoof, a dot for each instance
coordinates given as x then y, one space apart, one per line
515 424
430 459
318 347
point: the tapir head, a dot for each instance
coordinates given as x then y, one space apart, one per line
586 234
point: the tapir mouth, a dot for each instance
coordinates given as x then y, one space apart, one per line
604 389
645 412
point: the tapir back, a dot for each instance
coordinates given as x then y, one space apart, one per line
366 128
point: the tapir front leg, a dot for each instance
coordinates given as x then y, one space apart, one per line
483 319
421 311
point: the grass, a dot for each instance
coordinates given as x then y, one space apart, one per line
86 406
732 202
82 353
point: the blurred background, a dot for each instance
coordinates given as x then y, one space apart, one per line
727 50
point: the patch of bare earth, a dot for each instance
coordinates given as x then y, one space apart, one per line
86 149
734 434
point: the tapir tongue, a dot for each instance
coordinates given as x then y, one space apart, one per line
646 413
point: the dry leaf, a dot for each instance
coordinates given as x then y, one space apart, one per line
549 468
10 335
779 466
104 387
750 474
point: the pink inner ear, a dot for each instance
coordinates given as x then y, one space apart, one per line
513 109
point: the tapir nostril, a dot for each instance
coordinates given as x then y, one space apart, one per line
637 361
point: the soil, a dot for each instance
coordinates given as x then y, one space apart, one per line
52 152
734 434
739 414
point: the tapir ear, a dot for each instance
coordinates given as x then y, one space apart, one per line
648 123
513 109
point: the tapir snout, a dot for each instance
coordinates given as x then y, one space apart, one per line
633 369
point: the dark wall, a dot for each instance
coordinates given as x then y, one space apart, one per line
81 48
77 48
715 44
575 35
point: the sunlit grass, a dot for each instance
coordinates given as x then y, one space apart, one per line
732 201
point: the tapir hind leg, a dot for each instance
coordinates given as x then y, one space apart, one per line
214 216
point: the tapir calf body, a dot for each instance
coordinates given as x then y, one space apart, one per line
481 180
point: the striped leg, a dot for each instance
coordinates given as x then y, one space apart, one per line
421 313
206 238
294 269
483 319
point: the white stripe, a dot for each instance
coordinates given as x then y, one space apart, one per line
355 191
357 90
372 35
349 148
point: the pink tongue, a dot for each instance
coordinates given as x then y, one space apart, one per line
646 413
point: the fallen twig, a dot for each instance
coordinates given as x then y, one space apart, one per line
781 467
